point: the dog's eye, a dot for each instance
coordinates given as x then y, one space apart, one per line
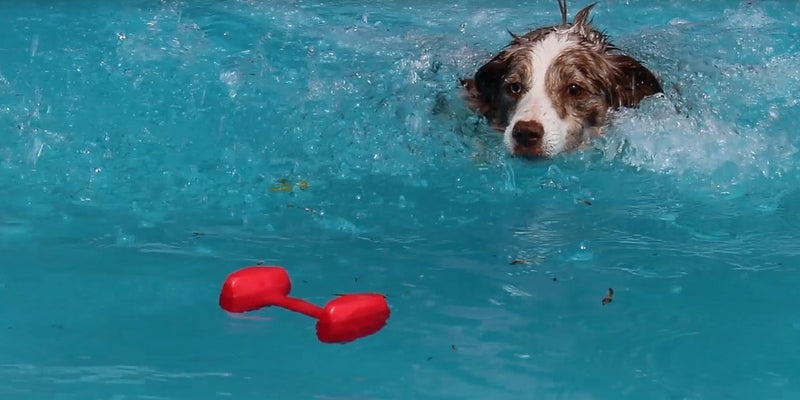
515 88
574 90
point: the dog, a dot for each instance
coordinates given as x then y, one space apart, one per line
549 91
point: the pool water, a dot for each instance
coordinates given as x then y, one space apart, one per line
149 149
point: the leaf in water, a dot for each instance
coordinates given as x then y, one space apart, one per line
284 186
526 261
609 296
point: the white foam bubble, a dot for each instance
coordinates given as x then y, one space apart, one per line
658 137
727 116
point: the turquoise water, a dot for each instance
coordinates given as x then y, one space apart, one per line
143 142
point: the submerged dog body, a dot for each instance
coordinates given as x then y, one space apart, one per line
549 90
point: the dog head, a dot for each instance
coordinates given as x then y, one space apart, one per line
549 90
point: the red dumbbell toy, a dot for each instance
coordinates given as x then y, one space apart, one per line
344 319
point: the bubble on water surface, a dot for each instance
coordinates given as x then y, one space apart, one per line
725 119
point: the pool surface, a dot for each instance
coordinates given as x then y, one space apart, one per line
150 148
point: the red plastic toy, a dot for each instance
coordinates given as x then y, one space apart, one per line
344 319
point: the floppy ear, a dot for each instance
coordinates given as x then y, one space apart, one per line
632 81
469 91
482 91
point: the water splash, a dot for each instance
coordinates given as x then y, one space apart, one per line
729 105
658 138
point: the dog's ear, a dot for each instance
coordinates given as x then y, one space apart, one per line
632 81
482 91
469 89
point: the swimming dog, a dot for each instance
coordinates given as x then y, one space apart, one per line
549 90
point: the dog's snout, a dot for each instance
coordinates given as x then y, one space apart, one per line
527 133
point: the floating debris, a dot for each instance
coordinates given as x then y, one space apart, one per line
609 296
527 261
283 186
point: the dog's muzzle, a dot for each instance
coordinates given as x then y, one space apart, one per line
527 137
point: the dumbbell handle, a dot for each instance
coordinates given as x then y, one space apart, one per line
298 305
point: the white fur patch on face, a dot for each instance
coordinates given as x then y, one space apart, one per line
535 104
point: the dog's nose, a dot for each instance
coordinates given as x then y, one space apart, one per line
527 133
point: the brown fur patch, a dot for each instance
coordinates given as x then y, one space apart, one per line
488 92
